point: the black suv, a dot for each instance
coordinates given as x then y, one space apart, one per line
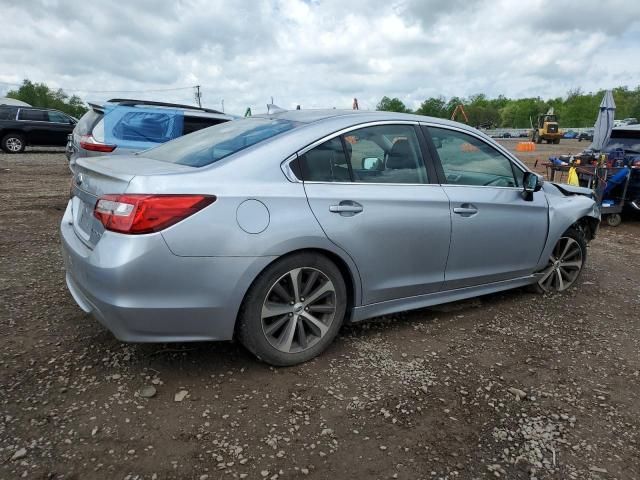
22 126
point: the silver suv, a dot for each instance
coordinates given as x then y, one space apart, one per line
121 126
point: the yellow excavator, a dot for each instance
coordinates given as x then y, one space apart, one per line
546 128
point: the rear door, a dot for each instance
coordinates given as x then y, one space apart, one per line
375 197
496 234
35 125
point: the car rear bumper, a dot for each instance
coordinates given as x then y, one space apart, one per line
141 292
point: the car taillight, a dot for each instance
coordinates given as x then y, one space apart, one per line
139 213
89 143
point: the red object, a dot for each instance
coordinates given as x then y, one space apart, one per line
89 143
141 213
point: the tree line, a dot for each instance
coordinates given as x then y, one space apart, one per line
40 95
577 109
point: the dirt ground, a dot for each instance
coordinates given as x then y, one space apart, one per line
434 393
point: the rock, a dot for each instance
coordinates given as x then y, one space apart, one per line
94 431
598 469
424 389
519 394
147 392
305 471
180 396
116 376
20 453
327 431
264 473
204 477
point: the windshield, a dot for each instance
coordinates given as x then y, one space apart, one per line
628 140
209 145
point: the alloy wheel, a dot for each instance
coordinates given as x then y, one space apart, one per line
13 144
298 310
565 264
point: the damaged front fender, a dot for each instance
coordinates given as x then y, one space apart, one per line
568 206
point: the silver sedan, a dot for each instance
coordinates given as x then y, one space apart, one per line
278 229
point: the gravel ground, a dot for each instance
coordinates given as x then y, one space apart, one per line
512 385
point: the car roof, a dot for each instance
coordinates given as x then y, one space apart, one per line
312 116
627 127
193 110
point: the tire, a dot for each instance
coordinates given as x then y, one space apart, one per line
272 310
565 266
13 143
556 141
614 219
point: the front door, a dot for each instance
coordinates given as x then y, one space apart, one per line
496 234
369 190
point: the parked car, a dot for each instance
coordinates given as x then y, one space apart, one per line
122 126
28 126
277 229
570 134
586 135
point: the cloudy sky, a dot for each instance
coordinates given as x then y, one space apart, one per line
319 53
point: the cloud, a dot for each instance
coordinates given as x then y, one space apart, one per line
320 53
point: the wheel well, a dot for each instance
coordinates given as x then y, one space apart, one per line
588 226
347 275
4 133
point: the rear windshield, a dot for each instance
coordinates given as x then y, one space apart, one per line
87 121
207 146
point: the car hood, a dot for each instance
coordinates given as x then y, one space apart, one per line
567 189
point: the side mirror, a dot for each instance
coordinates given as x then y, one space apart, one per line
532 182
370 163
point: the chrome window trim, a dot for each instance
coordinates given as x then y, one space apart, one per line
288 172
285 166
506 153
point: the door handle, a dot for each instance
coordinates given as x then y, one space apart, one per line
465 210
346 208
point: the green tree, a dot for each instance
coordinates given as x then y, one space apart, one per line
392 105
40 95
433 107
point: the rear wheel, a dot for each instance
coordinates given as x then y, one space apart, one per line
565 263
556 141
13 143
294 310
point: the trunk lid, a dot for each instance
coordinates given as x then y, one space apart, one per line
97 176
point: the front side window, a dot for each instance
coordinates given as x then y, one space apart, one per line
378 154
467 160
57 117
33 115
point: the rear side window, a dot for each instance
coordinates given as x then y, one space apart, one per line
325 163
212 144
8 113
379 154
193 124
33 115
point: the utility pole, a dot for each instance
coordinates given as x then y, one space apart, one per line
198 95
